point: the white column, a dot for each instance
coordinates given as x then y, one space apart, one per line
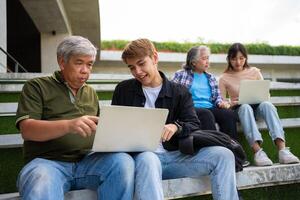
3 36
49 45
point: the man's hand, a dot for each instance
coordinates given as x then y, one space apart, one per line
84 126
168 131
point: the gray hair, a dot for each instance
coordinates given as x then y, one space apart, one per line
193 56
75 45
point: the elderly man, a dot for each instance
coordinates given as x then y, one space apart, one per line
151 89
57 116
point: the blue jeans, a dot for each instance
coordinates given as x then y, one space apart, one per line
110 174
268 113
217 162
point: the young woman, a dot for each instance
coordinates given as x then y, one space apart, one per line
206 96
237 70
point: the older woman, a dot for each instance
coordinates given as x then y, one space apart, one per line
237 70
203 86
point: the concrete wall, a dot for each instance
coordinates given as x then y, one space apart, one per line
56 19
3 35
276 68
49 44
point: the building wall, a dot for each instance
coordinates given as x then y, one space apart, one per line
49 43
23 38
3 35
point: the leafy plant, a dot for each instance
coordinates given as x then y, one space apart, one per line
217 48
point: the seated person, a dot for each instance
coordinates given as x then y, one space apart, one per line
151 89
203 86
237 70
57 117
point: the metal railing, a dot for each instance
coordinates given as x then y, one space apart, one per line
17 64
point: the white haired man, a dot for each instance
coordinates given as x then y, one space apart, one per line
57 117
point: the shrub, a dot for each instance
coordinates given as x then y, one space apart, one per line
217 48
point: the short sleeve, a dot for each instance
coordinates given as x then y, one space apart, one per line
259 75
30 104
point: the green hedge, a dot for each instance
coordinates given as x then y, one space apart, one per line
258 49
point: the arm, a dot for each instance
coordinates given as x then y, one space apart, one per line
260 76
177 77
186 121
33 126
217 98
222 88
42 130
115 97
187 116
222 92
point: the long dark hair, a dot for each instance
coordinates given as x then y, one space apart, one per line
232 53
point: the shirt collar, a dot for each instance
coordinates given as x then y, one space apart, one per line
58 77
166 89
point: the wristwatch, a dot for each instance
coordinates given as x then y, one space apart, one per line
179 127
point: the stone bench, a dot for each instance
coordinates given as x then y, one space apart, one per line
9 109
23 77
100 87
15 140
250 177
16 88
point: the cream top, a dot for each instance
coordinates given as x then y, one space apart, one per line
229 82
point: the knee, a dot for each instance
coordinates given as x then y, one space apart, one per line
124 164
203 113
224 155
38 173
266 105
245 108
38 178
147 161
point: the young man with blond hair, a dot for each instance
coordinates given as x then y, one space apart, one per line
151 89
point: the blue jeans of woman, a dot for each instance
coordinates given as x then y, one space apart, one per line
265 110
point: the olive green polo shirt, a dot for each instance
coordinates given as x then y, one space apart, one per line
50 98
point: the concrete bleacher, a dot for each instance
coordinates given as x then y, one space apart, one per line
15 140
251 177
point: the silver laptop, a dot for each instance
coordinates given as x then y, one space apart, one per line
129 129
254 91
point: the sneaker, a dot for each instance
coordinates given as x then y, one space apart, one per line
261 159
286 157
246 163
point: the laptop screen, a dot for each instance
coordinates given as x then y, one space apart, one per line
129 129
254 91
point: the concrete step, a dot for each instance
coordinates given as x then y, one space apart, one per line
9 109
250 177
17 87
15 140
23 77
12 88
